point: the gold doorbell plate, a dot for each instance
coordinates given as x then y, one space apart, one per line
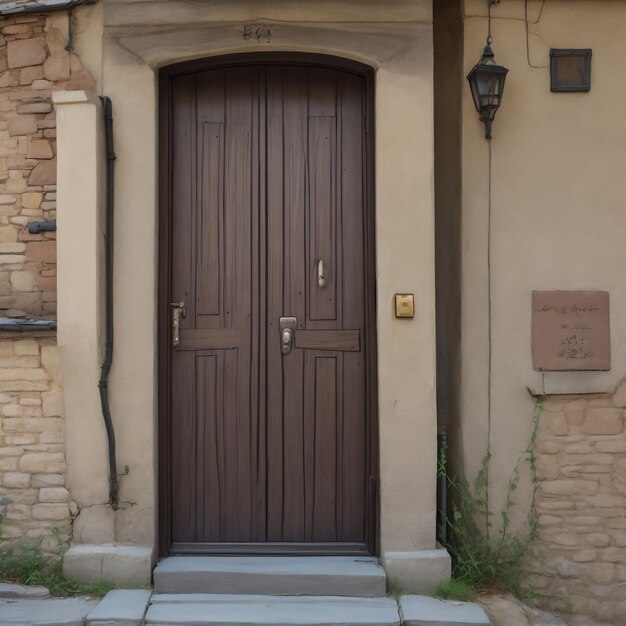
404 305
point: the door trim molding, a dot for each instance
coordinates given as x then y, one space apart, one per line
164 496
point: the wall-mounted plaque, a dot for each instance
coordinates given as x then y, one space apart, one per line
571 330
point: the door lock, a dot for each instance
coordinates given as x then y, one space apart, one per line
287 327
178 311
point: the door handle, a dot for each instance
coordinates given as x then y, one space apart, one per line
287 327
321 279
178 311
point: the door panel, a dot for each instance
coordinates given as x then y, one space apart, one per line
268 178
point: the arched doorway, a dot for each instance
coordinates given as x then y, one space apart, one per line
268 436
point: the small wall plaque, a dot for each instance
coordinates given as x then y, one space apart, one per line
570 330
404 305
570 69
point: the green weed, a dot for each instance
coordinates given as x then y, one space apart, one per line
481 561
455 590
25 562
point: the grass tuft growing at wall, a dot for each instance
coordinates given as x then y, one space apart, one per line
24 562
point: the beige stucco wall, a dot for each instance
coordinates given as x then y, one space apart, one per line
124 52
558 218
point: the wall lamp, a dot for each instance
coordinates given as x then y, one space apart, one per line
486 80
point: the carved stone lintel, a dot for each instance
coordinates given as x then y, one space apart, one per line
260 32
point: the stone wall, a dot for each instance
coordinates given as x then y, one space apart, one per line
33 497
581 503
34 62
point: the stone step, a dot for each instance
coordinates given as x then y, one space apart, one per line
426 611
263 610
283 576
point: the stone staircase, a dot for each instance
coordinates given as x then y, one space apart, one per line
275 591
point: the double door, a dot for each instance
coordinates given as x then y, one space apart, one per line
268 331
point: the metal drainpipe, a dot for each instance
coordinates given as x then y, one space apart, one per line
103 384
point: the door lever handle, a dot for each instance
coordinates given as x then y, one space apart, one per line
321 279
178 311
287 328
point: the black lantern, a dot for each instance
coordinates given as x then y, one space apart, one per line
486 81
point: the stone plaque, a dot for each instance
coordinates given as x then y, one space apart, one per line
571 330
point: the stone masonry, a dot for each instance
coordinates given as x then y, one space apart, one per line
33 497
34 62
581 503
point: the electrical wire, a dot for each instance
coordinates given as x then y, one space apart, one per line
526 28
489 332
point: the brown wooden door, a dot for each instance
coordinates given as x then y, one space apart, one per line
269 218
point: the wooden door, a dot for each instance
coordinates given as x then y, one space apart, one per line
265 450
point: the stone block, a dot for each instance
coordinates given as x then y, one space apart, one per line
584 556
43 424
42 83
12 410
25 52
122 607
599 540
558 487
16 182
52 438
8 464
547 469
52 403
23 281
426 611
11 451
18 512
54 494
557 423
8 233
43 462
51 512
613 555
26 347
7 199
603 421
39 149
86 563
47 480
32 200
57 67
45 251
29 74
606 500
418 571
16 480
548 447
128 565
9 79
24 374
40 106
22 125
95 525
12 248
44 173
611 447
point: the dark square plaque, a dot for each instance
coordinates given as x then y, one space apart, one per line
570 69
571 330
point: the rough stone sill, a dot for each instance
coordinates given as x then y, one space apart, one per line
22 325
